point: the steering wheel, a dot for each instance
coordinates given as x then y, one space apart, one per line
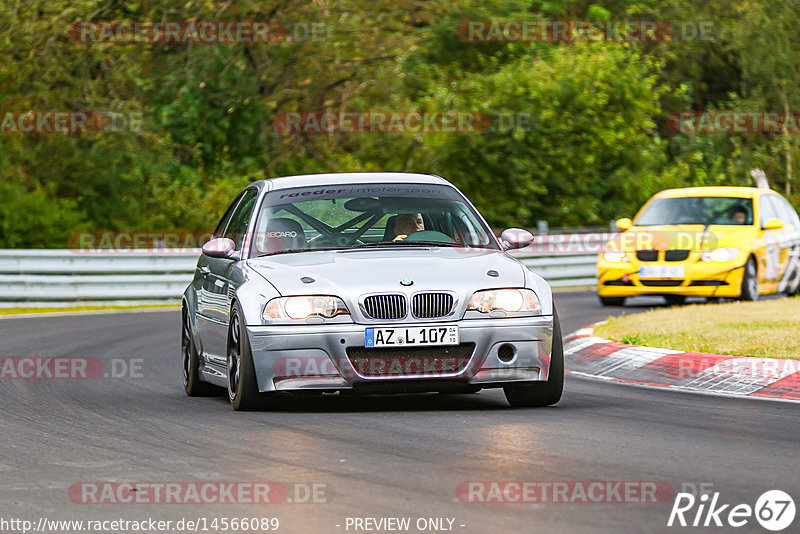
429 235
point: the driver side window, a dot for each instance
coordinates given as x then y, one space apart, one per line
240 218
768 209
226 217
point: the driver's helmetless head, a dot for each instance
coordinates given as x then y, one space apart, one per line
738 214
408 223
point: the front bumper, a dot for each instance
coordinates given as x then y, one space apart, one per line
722 279
315 357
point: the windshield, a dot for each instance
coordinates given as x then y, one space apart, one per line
365 215
698 210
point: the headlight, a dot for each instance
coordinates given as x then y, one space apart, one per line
299 308
719 254
508 300
615 256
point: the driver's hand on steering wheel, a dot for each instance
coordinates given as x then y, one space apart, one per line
406 224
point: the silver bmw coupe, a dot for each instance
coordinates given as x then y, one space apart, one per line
366 283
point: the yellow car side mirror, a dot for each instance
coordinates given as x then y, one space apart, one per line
773 224
624 224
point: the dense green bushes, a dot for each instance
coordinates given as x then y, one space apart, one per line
589 140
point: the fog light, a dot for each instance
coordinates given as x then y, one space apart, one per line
506 353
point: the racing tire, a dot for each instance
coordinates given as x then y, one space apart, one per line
192 383
242 385
542 393
793 289
612 301
675 300
749 290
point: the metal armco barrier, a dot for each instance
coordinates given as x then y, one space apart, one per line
68 276
564 271
565 259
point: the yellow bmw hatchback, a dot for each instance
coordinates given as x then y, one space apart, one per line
731 242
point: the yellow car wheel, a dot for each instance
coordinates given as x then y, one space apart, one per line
750 281
675 300
612 301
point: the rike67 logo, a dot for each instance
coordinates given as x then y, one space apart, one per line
774 510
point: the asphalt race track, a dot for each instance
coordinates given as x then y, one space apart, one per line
399 456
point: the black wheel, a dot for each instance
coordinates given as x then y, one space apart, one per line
750 281
796 291
542 393
675 300
793 288
612 301
242 386
192 384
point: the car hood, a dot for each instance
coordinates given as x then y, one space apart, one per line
351 273
682 236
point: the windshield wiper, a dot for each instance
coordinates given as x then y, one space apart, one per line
441 244
294 250
405 244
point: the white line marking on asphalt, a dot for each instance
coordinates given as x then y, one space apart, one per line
682 389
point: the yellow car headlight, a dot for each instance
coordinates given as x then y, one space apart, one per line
303 307
507 300
615 256
719 254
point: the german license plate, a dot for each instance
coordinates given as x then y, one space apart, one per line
661 271
412 336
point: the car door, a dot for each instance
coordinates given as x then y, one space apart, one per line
201 284
217 286
789 243
769 251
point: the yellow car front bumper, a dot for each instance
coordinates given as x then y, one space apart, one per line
701 279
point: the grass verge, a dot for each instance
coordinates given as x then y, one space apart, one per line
764 329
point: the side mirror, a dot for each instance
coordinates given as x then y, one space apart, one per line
624 224
220 248
515 238
773 223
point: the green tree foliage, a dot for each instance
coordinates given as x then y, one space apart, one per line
595 141
574 140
